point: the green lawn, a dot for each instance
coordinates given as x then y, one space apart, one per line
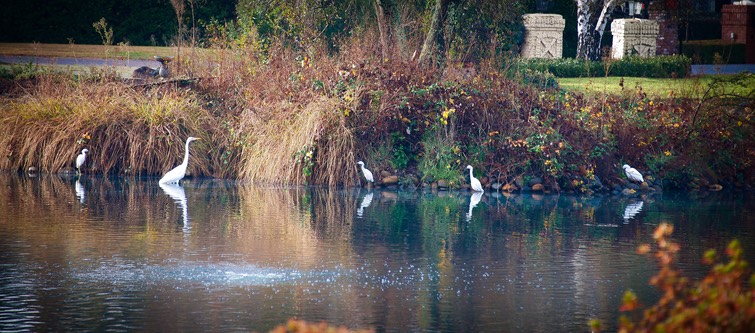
85 51
657 88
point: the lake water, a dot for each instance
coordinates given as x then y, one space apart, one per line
121 254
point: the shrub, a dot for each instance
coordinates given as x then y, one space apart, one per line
720 302
658 67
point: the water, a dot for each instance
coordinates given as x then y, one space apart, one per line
114 254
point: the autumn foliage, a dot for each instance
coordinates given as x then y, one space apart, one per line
723 301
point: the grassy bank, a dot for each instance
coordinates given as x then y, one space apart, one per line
85 51
295 117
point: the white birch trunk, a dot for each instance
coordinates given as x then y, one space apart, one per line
592 18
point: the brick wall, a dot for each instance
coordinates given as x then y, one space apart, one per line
667 42
739 22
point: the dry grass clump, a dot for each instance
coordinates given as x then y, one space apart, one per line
126 130
298 144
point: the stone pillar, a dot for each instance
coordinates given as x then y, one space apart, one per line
738 26
633 37
543 36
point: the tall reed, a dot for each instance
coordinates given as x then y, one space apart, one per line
127 130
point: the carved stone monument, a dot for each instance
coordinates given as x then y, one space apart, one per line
633 37
543 36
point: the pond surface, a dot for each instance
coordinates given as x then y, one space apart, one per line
115 254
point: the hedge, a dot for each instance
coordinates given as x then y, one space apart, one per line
655 67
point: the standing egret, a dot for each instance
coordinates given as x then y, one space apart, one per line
178 173
474 182
80 159
633 174
367 173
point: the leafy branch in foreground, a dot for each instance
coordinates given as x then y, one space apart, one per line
720 302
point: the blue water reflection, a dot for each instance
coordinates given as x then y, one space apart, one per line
212 255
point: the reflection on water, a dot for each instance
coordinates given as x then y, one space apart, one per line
79 191
631 210
178 194
366 201
473 201
254 257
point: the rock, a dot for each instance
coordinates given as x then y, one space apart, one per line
595 183
700 182
413 179
538 187
715 187
496 186
32 169
633 186
442 184
510 187
385 173
534 180
628 191
484 181
519 182
390 180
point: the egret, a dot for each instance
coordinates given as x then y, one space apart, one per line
474 182
178 173
367 173
80 159
633 174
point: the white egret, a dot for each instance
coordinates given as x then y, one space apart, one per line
367 173
474 182
178 173
366 201
80 159
633 174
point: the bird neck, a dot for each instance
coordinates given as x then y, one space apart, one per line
471 175
186 154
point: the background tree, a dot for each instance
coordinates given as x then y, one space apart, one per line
592 17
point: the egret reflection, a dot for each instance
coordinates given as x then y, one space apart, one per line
178 194
366 201
631 210
79 191
473 201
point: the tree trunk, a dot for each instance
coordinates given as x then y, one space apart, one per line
398 30
382 28
592 17
436 26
